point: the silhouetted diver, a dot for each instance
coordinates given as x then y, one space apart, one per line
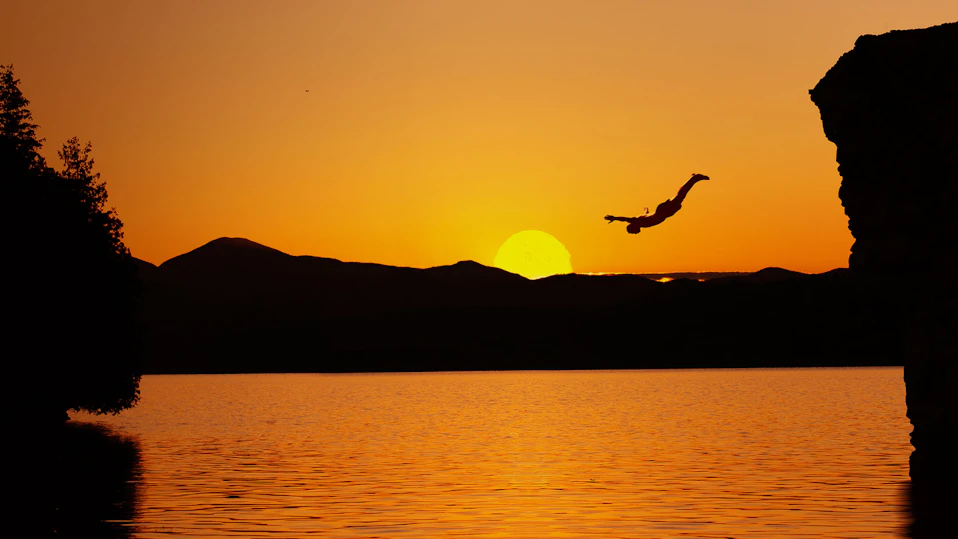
662 211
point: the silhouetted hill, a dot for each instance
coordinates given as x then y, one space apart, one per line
225 260
767 275
233 305
468 270
695 276
144 269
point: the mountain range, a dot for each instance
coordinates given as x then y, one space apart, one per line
234 305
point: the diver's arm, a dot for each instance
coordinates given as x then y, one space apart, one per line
612 218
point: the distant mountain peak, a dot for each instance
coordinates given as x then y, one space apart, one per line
470 264
775 271
238 242
471 267
224 251
464 264
765 275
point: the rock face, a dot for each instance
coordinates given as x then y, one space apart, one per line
890 105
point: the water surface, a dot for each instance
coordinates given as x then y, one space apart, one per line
686 453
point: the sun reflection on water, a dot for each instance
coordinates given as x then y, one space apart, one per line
724 453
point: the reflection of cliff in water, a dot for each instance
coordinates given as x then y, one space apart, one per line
86 483
890 107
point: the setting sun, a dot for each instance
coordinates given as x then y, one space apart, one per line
533 254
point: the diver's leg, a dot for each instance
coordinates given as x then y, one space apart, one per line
684 190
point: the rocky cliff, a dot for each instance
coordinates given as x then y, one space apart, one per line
890 105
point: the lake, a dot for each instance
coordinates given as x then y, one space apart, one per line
666 453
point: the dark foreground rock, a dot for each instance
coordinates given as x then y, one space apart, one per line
891 107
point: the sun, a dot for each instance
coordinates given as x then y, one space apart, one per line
533 254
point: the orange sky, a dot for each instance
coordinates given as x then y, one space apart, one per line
433 131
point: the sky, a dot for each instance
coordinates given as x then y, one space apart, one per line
433 131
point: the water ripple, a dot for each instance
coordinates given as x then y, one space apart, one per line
714 453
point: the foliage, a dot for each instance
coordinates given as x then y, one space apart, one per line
73 287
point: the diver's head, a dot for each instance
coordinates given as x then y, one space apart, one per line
633 228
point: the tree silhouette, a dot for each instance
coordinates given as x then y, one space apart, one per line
72 288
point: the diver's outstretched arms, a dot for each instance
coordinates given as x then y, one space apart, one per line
612 218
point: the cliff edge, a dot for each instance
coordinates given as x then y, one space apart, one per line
890 105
